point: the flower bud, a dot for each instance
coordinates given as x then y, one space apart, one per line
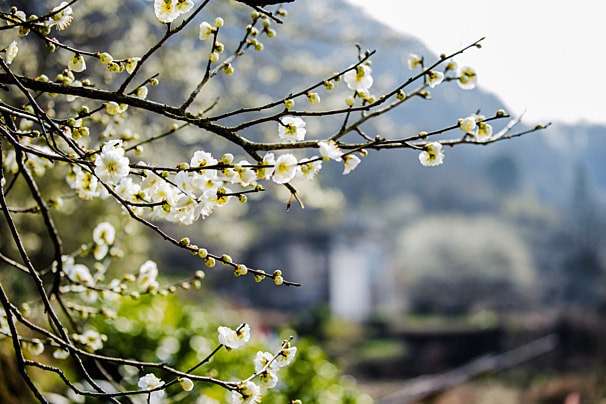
289 104
313 98
241 270
105 58
186 383
228 69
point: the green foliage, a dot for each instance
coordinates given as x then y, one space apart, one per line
182 334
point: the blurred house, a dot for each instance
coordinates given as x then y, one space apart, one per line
348 269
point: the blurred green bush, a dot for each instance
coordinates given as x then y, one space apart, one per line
181 334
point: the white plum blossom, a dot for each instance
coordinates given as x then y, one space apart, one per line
166 10
310 167
183 6
131 64
113 108
414 61
11 52
468 125
285 169
129 190
434 78
263 360
329 150
148 272
359 79
291 129
468 78
92 339
268 163
286 356
226 175
247 393
313 98
206 31
142 92
163 191
100 251
111 165
219 197
85 184
35 347
268 379
202 159
476 126
79 273
432 155
350 162
187 209
104 233
105 58
149 382
60 354
63 18
233 339
484 131
245 174
183 180
206 183
77 63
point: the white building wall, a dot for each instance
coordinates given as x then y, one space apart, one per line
350 281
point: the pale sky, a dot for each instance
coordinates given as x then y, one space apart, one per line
545 56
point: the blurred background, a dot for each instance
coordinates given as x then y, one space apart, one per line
407 271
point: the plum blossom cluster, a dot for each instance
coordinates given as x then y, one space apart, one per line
91 339
432 153
194 190
465 76
169 10
38 165
92 286
266 364
68 125
476 127
60 18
